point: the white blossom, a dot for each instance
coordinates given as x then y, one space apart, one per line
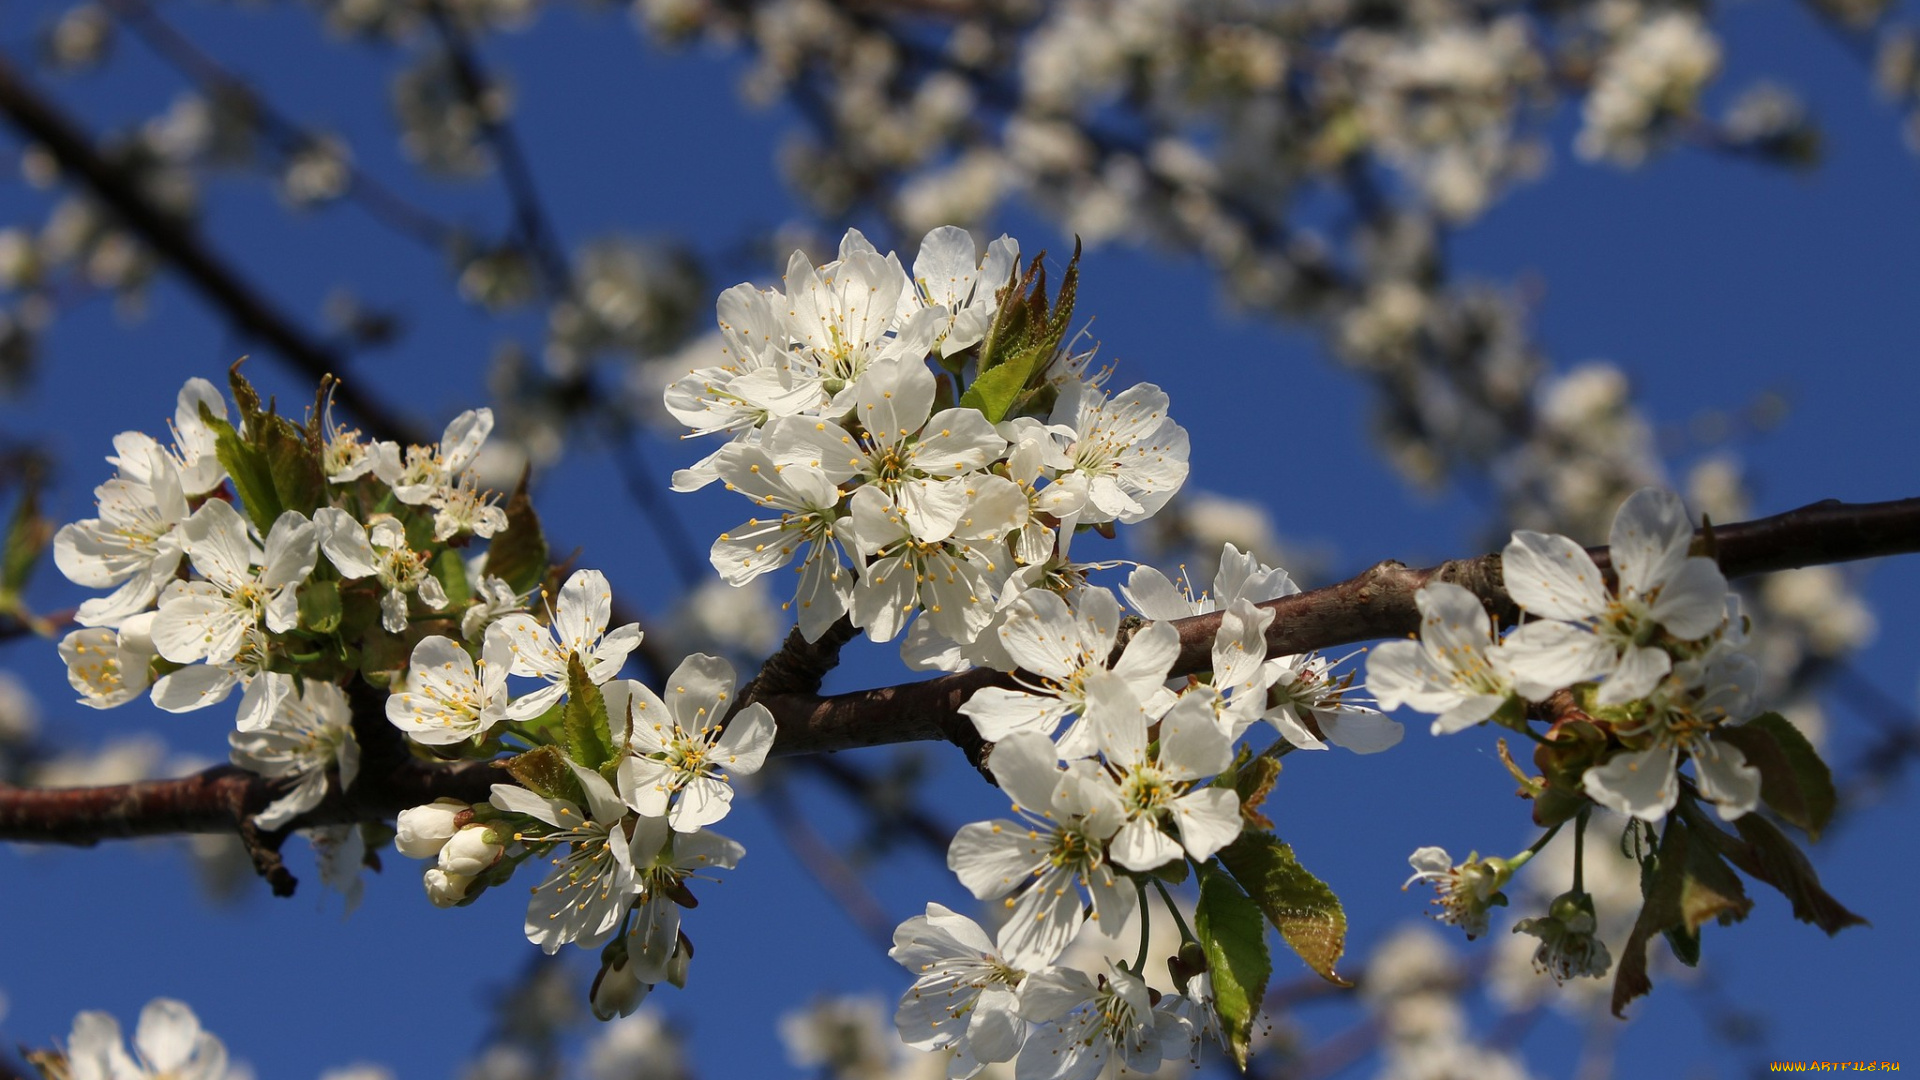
311 732
1062 643
447 698
1682 714
953 581
195 452
678 757
169 1044
1587 632
664 861
134 544
963 996
1130 452
419 474
1084 1022
1156 783
593 882
578 628
380 552
109 667
1240 576
209 620
1464 893
1071 816
1453 670
946 275
901 446
493 599
808 508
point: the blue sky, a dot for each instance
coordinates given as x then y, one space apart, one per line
1709 281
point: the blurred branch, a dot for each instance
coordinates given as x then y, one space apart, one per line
37 118
288 137
530 218
840 880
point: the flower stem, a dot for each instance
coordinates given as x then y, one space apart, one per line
1146 924
1545 839
1178 920
1579 847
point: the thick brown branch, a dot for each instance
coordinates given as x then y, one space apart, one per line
1376 604
213 801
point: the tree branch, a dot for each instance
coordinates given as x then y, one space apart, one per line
1377 604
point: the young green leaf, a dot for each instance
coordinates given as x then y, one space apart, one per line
1301 906
27 536
252 476
451 571
587 738
1661 878
1235 938
543 771
320 607
519 554
1793 779
1765 854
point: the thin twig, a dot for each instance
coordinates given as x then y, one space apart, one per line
175 240
530 217
381 202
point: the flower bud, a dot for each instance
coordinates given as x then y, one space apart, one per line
444 889
471 850
1568 946
617 991
424 830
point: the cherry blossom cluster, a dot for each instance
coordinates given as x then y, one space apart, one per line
1651 664
218 583
925 448
916 503
1111 768
617 810
360 573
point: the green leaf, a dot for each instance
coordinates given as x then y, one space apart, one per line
1793 779
1023 338
1661 877
1230 929
588 741
298 480
519 554
451 571
1766 854
1058 322
381 653
1710 890
544 772
1008 329
27 536
993 393
1302 907
1253 784
252 477
320 607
